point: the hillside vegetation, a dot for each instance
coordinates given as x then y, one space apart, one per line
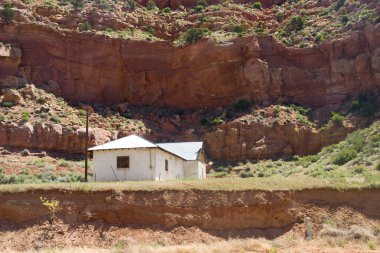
295 22
354 160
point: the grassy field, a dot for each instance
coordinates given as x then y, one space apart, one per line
213 184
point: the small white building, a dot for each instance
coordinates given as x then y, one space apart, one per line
135 158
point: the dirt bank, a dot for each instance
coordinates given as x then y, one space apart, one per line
205 209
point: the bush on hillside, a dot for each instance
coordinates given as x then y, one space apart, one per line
319 37
344 156
77 4
296 23
365 104
337 119
8 13
194 34
257 5
339 4
199 8
131 4
151 4
7 104
305 111
86 26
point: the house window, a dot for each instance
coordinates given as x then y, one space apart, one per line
166 165
122 162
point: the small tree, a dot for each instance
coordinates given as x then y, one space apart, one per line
8 13
195 34
296 23
151 5
53 206
77 4
86 26
337 119
131 4
257 5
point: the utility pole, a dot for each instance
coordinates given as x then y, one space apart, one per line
86 151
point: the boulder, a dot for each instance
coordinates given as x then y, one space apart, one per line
12 96
29 91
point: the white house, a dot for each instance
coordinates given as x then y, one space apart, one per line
135 158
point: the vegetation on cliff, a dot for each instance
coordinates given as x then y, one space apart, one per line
294 23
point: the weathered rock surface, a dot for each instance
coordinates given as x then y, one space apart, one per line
99 69
50 137
12 96
241 141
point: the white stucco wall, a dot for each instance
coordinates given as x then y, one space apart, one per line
144 164
141 164
176 169
195 169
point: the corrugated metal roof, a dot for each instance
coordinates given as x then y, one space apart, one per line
186 150
131 141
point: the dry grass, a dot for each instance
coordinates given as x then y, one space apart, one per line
214 184
234 245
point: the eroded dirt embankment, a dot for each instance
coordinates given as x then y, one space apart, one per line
205 209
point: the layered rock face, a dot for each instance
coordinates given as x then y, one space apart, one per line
241 141
98 69
51 137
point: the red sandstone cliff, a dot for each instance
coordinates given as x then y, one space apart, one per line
99 69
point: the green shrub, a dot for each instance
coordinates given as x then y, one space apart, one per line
55 119
280 16
151 5
337 119
63 163
86 26
344 156
8 13
219 174
305 111
7 104
131 4
319 37
1 117
25 116
199 8
25 152
365 104
344 19
82 112
108 30
237 29
221 169
195 34
359 169
166 10
246 174
296 23
257 5
356 140
242 105
41 100
339 4
77 4
217 121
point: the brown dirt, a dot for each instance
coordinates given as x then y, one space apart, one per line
104 218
